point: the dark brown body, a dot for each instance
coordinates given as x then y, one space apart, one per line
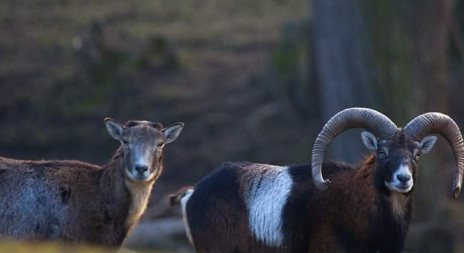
351 216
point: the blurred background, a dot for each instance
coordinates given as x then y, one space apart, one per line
252 80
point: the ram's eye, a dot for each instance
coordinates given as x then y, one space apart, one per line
416 154
160 145
125 142
382 153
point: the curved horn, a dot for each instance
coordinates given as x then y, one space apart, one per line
356 117
439 123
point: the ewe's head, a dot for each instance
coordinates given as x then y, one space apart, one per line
142 146
396 149
396 159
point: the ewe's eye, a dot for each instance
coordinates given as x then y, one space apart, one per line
160 145
125 142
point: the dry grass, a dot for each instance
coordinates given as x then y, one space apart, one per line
20 247
36 247
32 30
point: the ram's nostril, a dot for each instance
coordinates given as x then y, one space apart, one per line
141 169
403 177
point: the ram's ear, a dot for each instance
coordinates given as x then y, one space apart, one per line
426 144
369 140
114 129
172 132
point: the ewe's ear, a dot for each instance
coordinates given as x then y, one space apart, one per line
369 140
114 129
426 144
172 132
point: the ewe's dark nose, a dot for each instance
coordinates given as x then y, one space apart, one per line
141 168
403 177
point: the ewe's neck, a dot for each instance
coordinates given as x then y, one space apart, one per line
140 194
126 195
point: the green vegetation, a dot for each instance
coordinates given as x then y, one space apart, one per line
37 247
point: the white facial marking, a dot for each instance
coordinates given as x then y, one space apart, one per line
267 196
396 184
131 176
183 202
142 160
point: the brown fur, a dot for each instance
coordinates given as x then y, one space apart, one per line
359 212
323 240
351 203
357 200
74 201
175 198
398 203
355 197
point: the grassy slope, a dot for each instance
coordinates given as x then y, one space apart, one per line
42 31
36 247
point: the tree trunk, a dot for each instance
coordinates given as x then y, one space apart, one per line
432 24
431 40
342 66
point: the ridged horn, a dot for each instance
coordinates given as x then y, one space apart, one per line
371 120
442 124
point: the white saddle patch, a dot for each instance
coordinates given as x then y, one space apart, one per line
267 196
183 202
